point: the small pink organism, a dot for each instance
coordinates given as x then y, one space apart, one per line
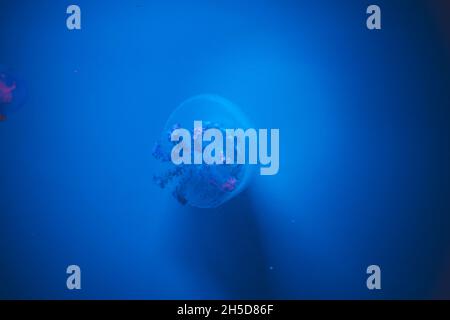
12 93
6 93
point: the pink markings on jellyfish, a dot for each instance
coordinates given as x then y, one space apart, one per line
228 186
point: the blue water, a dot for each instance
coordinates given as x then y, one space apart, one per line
364 150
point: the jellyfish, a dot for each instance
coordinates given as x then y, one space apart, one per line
201 185
12 93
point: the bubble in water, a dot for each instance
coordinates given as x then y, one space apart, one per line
12 93
201 185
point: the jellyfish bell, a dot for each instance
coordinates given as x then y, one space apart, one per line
201 185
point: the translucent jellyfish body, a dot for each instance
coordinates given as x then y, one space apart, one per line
12 93
201 185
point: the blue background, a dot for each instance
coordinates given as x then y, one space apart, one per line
364 159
